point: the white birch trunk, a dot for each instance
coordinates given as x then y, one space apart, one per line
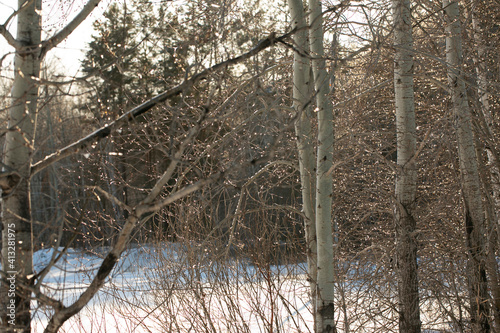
474 212
406 179
301 97
17 248
325 321
16 217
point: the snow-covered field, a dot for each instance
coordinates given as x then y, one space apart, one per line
169 291
171 288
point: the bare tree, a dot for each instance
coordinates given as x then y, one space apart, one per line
17 248
471 186
302 98
325 310
406 178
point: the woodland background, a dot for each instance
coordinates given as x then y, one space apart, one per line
228 145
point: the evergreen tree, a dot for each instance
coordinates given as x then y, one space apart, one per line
137 51
110 55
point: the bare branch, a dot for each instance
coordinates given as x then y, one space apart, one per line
69 28
148 105
111 198
106 267
3 27
17 12
44 299
8 37
167 175
148 208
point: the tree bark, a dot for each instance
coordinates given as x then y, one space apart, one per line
301 99
492 181
471 188
16 233
17 250
325 321
406 178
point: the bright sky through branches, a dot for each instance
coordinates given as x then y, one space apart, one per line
56 14
65 58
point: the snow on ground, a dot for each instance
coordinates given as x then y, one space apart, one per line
174 288
170 291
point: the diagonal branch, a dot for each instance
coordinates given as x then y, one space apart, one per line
149 104
63 313
52 42
156 206
8 37
111 198
167 175
6 33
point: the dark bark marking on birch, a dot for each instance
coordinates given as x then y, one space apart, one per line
106 266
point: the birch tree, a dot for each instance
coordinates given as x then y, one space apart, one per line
471 188
301 98
16 231
325 321
17 248
316 197
406 178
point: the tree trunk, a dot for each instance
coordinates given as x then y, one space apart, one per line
16 234
492 182
301 98
471 188
406 179
17 248
325 321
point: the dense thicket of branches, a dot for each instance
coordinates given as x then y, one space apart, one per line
208 184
